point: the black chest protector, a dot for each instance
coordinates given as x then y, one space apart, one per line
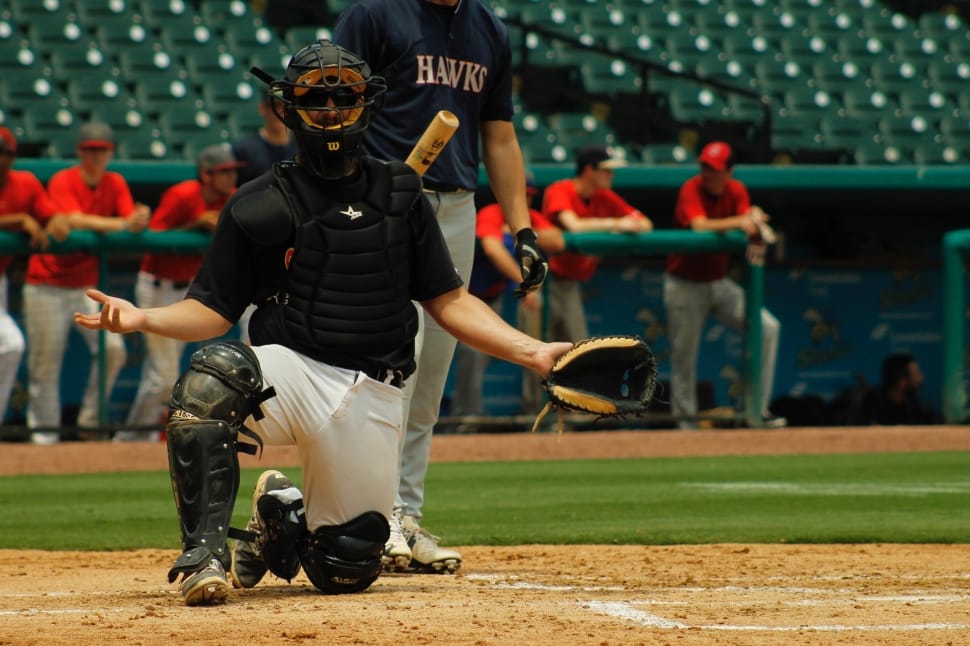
347 296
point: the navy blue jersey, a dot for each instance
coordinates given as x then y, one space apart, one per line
259 155
434 58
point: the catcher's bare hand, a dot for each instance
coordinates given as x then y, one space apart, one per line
547 354
116 315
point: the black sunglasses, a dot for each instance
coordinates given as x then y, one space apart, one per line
318 98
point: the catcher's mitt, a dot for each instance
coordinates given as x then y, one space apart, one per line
608 376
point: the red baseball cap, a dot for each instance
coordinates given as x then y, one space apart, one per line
217 157
95 135
8 143
718 155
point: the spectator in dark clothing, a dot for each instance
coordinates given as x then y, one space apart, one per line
896 401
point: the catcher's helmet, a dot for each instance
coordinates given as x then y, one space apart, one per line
326 97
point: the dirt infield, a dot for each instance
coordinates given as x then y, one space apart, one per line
563 595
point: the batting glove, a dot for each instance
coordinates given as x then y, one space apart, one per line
531 261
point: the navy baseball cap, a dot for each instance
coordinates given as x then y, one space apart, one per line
598 157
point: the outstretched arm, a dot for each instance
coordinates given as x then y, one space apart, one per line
474 323
186 320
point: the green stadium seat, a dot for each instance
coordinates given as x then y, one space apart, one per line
742 108
778 76
931 104
243 121
905 131
17 54
212 58
45 33
861 48
937 154
223 12
160 91
847 132
955 132
831 24
896 78
86 88
81 55
601 19
887 25
183 32
641 46
878 154
795 133
942 26
50 114
143 144
806 50
918 51
118 32
696 104
22 84
688 48
121 117
298 37
951 78
269 60
92 12
245 37
225 93
603 76
665 154
727 71
26 12
807 101
861 102
138 62
836 77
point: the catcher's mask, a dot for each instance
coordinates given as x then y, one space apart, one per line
326 97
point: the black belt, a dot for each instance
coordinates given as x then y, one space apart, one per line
157 282
387 375
438 187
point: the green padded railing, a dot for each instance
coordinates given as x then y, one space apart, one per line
657 242
102 246
662 242
956 248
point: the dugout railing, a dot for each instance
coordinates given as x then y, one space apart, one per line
956 254
103 246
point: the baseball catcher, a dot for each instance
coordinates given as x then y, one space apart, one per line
609 376
333 248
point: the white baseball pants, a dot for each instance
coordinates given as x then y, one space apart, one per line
160 369
11 349
688 304
346 426
48 320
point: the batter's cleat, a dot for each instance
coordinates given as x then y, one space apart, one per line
397 552
207 587
426 554
248 565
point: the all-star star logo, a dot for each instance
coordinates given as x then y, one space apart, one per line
351 213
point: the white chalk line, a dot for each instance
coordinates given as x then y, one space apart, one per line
830 489
627 612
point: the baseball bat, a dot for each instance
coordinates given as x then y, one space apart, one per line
432 141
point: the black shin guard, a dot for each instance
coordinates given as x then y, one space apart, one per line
205 478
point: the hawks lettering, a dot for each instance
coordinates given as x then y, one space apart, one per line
459 74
